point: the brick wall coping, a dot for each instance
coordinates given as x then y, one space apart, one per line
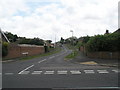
26 45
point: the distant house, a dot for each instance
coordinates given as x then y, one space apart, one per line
47 43
3 37
52 45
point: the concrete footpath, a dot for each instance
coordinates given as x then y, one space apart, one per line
82 59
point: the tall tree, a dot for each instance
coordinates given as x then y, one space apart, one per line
62 40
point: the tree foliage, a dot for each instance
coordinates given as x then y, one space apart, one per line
4 49
71 40
11 37
86 39
61 40
35 41
107 42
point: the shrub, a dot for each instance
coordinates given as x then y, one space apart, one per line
109 42
4 49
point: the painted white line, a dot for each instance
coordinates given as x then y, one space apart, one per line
75 72
37 72
42 60
26 69
51 57
116 71
102 71
62 72
25 72
89 71
49 72
9 73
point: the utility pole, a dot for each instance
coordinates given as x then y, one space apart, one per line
55 41
72 37
72 32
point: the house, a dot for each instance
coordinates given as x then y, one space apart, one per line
47 43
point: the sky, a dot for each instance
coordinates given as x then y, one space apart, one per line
53 19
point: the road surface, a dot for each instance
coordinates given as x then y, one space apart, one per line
55 72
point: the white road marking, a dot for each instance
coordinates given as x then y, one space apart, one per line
42 60
89 71
102 71
116 71
49 72
37 72
62 72
9 73
25 69
25 72
75 72
51 57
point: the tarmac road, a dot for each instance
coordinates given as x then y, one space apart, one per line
55 72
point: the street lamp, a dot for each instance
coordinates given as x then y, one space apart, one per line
72 36
72 32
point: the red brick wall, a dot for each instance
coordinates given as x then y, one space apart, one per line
104 55
15 51
101 55
82 49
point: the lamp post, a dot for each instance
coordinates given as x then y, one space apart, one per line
72 32
72 36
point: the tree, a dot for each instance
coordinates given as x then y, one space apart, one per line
34 41
49 41
11 37
107 42
4 49
86 39
62 40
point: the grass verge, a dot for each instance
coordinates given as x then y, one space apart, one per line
72 55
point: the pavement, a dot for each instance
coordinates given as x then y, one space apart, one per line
82 59
55 72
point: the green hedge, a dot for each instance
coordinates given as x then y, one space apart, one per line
108 42
4 49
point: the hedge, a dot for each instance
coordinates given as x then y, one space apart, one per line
4 49
107 42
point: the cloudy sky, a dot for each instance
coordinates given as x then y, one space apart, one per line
49 18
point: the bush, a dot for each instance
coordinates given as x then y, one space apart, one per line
109 42
46 48
4 49
79 44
